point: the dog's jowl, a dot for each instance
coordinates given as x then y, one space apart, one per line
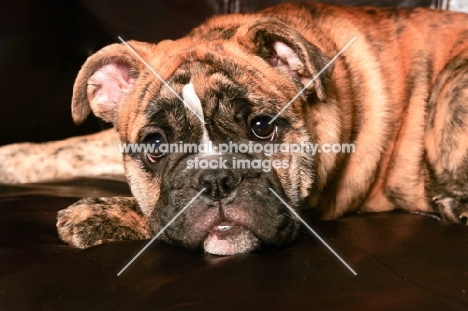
398 96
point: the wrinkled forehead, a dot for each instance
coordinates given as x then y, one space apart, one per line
194 82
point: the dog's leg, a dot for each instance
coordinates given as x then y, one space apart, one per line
93 221
91 155
446 141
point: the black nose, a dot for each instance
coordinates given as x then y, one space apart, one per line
218 184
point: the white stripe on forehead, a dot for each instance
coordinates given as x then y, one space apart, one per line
193 101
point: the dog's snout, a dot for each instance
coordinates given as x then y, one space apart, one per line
218 184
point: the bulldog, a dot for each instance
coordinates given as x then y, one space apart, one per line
391 83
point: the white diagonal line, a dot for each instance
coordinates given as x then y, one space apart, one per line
313 79
313 231
161 79
160 232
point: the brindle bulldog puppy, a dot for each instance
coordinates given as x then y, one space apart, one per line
398 95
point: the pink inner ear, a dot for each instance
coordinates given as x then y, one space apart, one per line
106 88
284 58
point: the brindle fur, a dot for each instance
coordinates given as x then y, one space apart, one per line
93 221
91 156
400 93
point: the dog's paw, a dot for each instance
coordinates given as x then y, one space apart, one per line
453 206
93 221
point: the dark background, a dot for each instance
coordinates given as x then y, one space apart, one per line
44 43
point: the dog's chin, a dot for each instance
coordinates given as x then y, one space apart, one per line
229 239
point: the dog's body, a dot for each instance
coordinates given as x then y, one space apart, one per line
399 93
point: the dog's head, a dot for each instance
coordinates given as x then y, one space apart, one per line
219 87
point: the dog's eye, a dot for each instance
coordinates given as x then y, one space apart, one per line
152 147
262 129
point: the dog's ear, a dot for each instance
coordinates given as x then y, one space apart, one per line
104 80
286 49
